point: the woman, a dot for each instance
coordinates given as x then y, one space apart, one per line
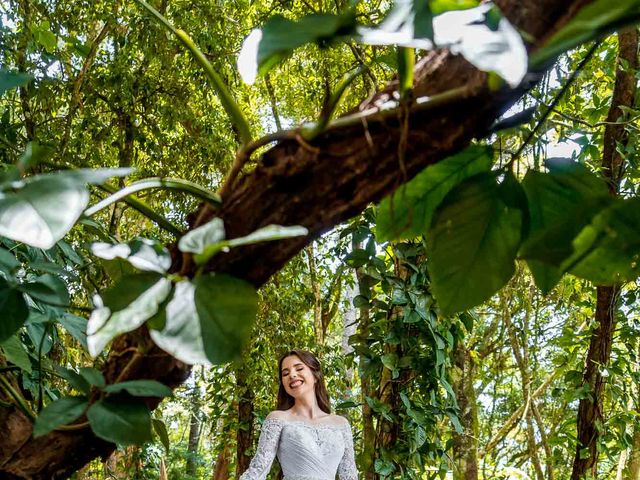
311 443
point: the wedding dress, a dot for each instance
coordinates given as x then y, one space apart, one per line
306 451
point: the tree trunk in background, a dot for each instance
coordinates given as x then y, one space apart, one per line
244 435
295 185
465 445
221 471
590 409
317 295
632 469
368 430
194 430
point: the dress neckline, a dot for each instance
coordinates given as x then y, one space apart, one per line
307 423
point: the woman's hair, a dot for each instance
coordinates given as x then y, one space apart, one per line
286 401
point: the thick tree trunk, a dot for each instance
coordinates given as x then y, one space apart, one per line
590 409
319 187
465 444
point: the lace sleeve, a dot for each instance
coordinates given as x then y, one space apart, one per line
267 448
347 467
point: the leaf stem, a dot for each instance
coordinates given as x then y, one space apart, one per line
20 402
145 210
226 99
148 183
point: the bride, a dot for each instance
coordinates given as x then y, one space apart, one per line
310 442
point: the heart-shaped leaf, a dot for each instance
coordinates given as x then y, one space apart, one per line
14 310
125 421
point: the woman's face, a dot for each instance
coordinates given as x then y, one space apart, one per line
297 377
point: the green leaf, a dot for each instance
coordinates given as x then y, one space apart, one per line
357 258
207 241
390 361
130 308
360 301
279 37
140 388
125 421
408 212
472 244
33 155
10 80
62 411
14 352
93 376
591 22
14 310
48 289
197 239
181 335
161 430
490 45
142 253
607 251
383 467
8 262
561 203
76 326
545 276
39 211
76 380
227 308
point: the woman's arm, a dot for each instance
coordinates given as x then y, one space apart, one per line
267 448
347 468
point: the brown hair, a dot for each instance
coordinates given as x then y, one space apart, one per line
286 401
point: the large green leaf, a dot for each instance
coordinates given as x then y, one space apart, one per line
48 289
9 80
409 210
607 251
561 203
60 412
39 211
592 21
140 388
181 335
93 376
279 37
227 308
125 313
14 352
14 310
545 276
125 421
472 244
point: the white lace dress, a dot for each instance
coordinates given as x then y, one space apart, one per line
306 451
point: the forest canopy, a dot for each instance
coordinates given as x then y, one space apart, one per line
438 197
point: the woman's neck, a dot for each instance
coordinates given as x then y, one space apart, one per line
307 408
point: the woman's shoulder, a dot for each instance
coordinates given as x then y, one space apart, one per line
277 415
338 420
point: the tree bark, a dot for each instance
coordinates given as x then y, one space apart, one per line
465 444
590 409
345 169
194 431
